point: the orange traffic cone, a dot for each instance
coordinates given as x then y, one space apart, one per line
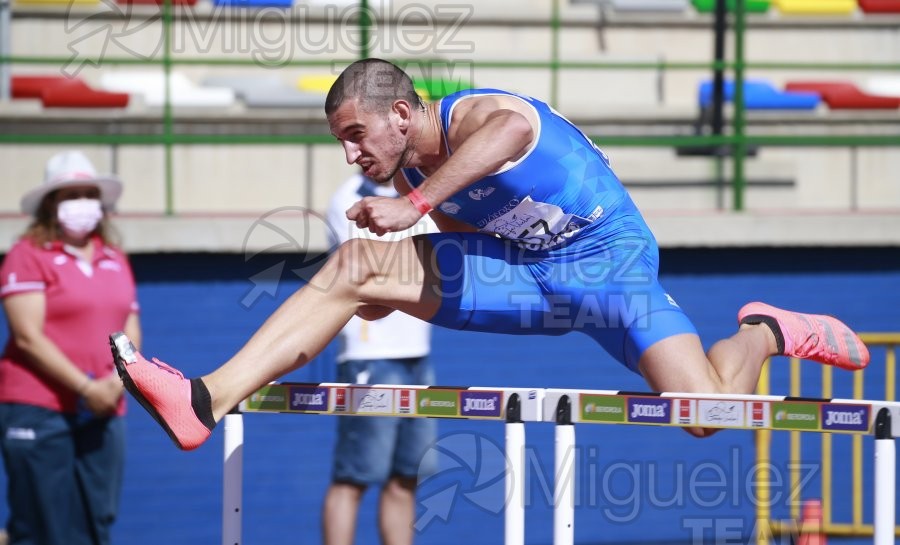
810 523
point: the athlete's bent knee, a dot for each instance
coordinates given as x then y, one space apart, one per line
360 260
373 312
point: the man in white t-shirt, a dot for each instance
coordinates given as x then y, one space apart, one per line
387 451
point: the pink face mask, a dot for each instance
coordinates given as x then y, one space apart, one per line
79 217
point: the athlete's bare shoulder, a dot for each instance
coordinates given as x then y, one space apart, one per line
470 113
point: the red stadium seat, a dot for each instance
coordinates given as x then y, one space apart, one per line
34 86
77 94
842 95
879 6
62 92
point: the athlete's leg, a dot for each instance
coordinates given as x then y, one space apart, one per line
362 275
362 272
646 330
678 364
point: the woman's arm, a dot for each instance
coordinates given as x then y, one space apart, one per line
26 313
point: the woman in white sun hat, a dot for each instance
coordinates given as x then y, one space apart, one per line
64 287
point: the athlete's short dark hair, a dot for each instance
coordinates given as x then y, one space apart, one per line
375 83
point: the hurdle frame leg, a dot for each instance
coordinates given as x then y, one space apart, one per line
232 478
885 479
514 511
564 475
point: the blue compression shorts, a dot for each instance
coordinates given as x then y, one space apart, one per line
602 283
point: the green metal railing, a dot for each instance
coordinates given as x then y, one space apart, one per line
737 141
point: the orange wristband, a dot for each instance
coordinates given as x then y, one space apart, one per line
418 200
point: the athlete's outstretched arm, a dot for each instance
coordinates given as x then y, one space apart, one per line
444 223
484 136
485 133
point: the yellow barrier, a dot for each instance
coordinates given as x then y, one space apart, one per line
319 83
765 526
815 7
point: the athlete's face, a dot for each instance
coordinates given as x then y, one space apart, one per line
376 141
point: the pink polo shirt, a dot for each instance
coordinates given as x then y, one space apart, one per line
85 303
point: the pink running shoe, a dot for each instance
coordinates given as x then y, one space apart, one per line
809 336
172 400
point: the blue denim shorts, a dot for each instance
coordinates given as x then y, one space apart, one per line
370 449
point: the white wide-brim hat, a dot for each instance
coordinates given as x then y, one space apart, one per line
72 168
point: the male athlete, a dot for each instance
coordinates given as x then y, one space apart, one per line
538 237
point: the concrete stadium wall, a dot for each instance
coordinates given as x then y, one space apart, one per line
253 179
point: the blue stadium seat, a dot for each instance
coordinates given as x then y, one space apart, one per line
762 95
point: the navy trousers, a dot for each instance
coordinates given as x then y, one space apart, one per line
64 473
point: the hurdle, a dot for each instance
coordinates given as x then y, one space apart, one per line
567 408
514 406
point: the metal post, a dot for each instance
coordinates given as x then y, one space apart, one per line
564 474
720 28
232 478
717 107
885 479
365 28
739 150
5 51
514 514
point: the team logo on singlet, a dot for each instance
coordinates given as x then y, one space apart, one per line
449 207
478 193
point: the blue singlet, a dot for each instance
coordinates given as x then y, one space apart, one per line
561 247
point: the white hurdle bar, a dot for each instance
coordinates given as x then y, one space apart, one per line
566 408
